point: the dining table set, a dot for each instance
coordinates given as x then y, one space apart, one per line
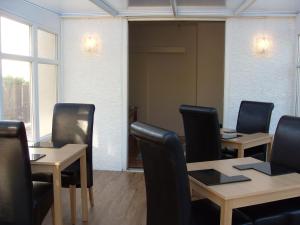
33 174
54 161
240 176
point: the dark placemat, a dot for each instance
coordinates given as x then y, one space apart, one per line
35 157
267 168
42 145
227 136
213 177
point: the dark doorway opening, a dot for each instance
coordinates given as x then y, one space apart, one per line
173 63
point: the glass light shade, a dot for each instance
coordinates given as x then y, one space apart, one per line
91 43
262 45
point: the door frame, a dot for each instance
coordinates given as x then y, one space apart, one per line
125 77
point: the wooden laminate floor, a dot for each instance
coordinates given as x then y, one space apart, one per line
119 200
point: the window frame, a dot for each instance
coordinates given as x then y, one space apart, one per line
35 61
298 52
297 100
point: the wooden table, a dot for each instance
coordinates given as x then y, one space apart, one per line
262 188
54 162
248 141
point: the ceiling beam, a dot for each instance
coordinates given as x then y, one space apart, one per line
244 6
174 7
106 7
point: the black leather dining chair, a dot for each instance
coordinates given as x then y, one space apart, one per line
253 117
286 143
167 183
73 124
22 202
285 152
202 133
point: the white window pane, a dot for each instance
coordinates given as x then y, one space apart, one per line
15 37
16 82
47 75
46 45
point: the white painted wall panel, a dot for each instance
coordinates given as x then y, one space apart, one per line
98 79
250 77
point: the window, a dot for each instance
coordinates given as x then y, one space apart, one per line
297 108
298 60
47 96
46 45
16 86
29 71
15 37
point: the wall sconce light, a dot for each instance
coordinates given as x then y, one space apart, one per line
91 43
262 45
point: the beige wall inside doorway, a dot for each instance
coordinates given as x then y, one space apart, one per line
174 63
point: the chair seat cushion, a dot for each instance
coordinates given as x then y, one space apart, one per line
205 212
294 216
227 156
69 176
230 151
260 156
255 152
284 212
42 177
42 194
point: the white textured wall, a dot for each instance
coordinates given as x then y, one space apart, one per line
98 79
250 77
102 79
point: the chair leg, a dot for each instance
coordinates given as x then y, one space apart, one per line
91 195
72 190
53 215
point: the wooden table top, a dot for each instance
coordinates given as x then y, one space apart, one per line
247 138
56 157
259 185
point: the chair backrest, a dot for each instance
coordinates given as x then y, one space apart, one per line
167 185
286 144
254 117
15 175
73 124
202 133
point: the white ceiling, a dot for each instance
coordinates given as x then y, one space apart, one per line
68 6
277 5
220 3
181 8
148 3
